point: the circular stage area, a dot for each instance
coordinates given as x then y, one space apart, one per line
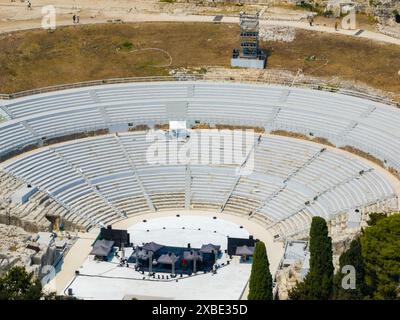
225 224
180 231
109 280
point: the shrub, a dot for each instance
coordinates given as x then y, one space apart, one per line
127 45
17 284
380 245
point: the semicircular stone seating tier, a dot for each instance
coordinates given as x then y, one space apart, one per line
103 179
344 120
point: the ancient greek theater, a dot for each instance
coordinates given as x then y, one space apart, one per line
255 158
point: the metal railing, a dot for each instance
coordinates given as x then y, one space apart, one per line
273 79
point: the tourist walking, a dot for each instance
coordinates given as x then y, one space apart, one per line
310 19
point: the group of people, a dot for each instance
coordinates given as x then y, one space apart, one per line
310 19
75 18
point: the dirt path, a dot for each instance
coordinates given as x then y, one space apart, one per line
72 261
15 16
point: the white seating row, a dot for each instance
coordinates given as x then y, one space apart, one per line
292 180
345 120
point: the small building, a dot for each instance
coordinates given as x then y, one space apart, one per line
178 130
102 249
60 244
119 237
244 252
296 251
45 238
152 246
234 243
210 248
354 219
340 7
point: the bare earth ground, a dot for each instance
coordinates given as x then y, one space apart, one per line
37 58
347 58
72 261
15 15
124 9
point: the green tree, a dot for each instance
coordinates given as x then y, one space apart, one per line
380 245
375 217
17 284
260 286
318 283
353 257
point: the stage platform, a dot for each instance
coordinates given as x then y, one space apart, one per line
179 231
108 280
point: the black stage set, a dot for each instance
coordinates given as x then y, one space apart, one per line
157 258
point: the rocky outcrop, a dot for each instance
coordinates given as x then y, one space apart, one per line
287 278
20 248
31 216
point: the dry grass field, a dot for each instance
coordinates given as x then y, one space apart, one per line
346 57
37 58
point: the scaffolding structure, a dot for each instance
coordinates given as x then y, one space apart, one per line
249 55
249 31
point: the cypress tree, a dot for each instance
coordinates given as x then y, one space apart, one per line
260 286
318 283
